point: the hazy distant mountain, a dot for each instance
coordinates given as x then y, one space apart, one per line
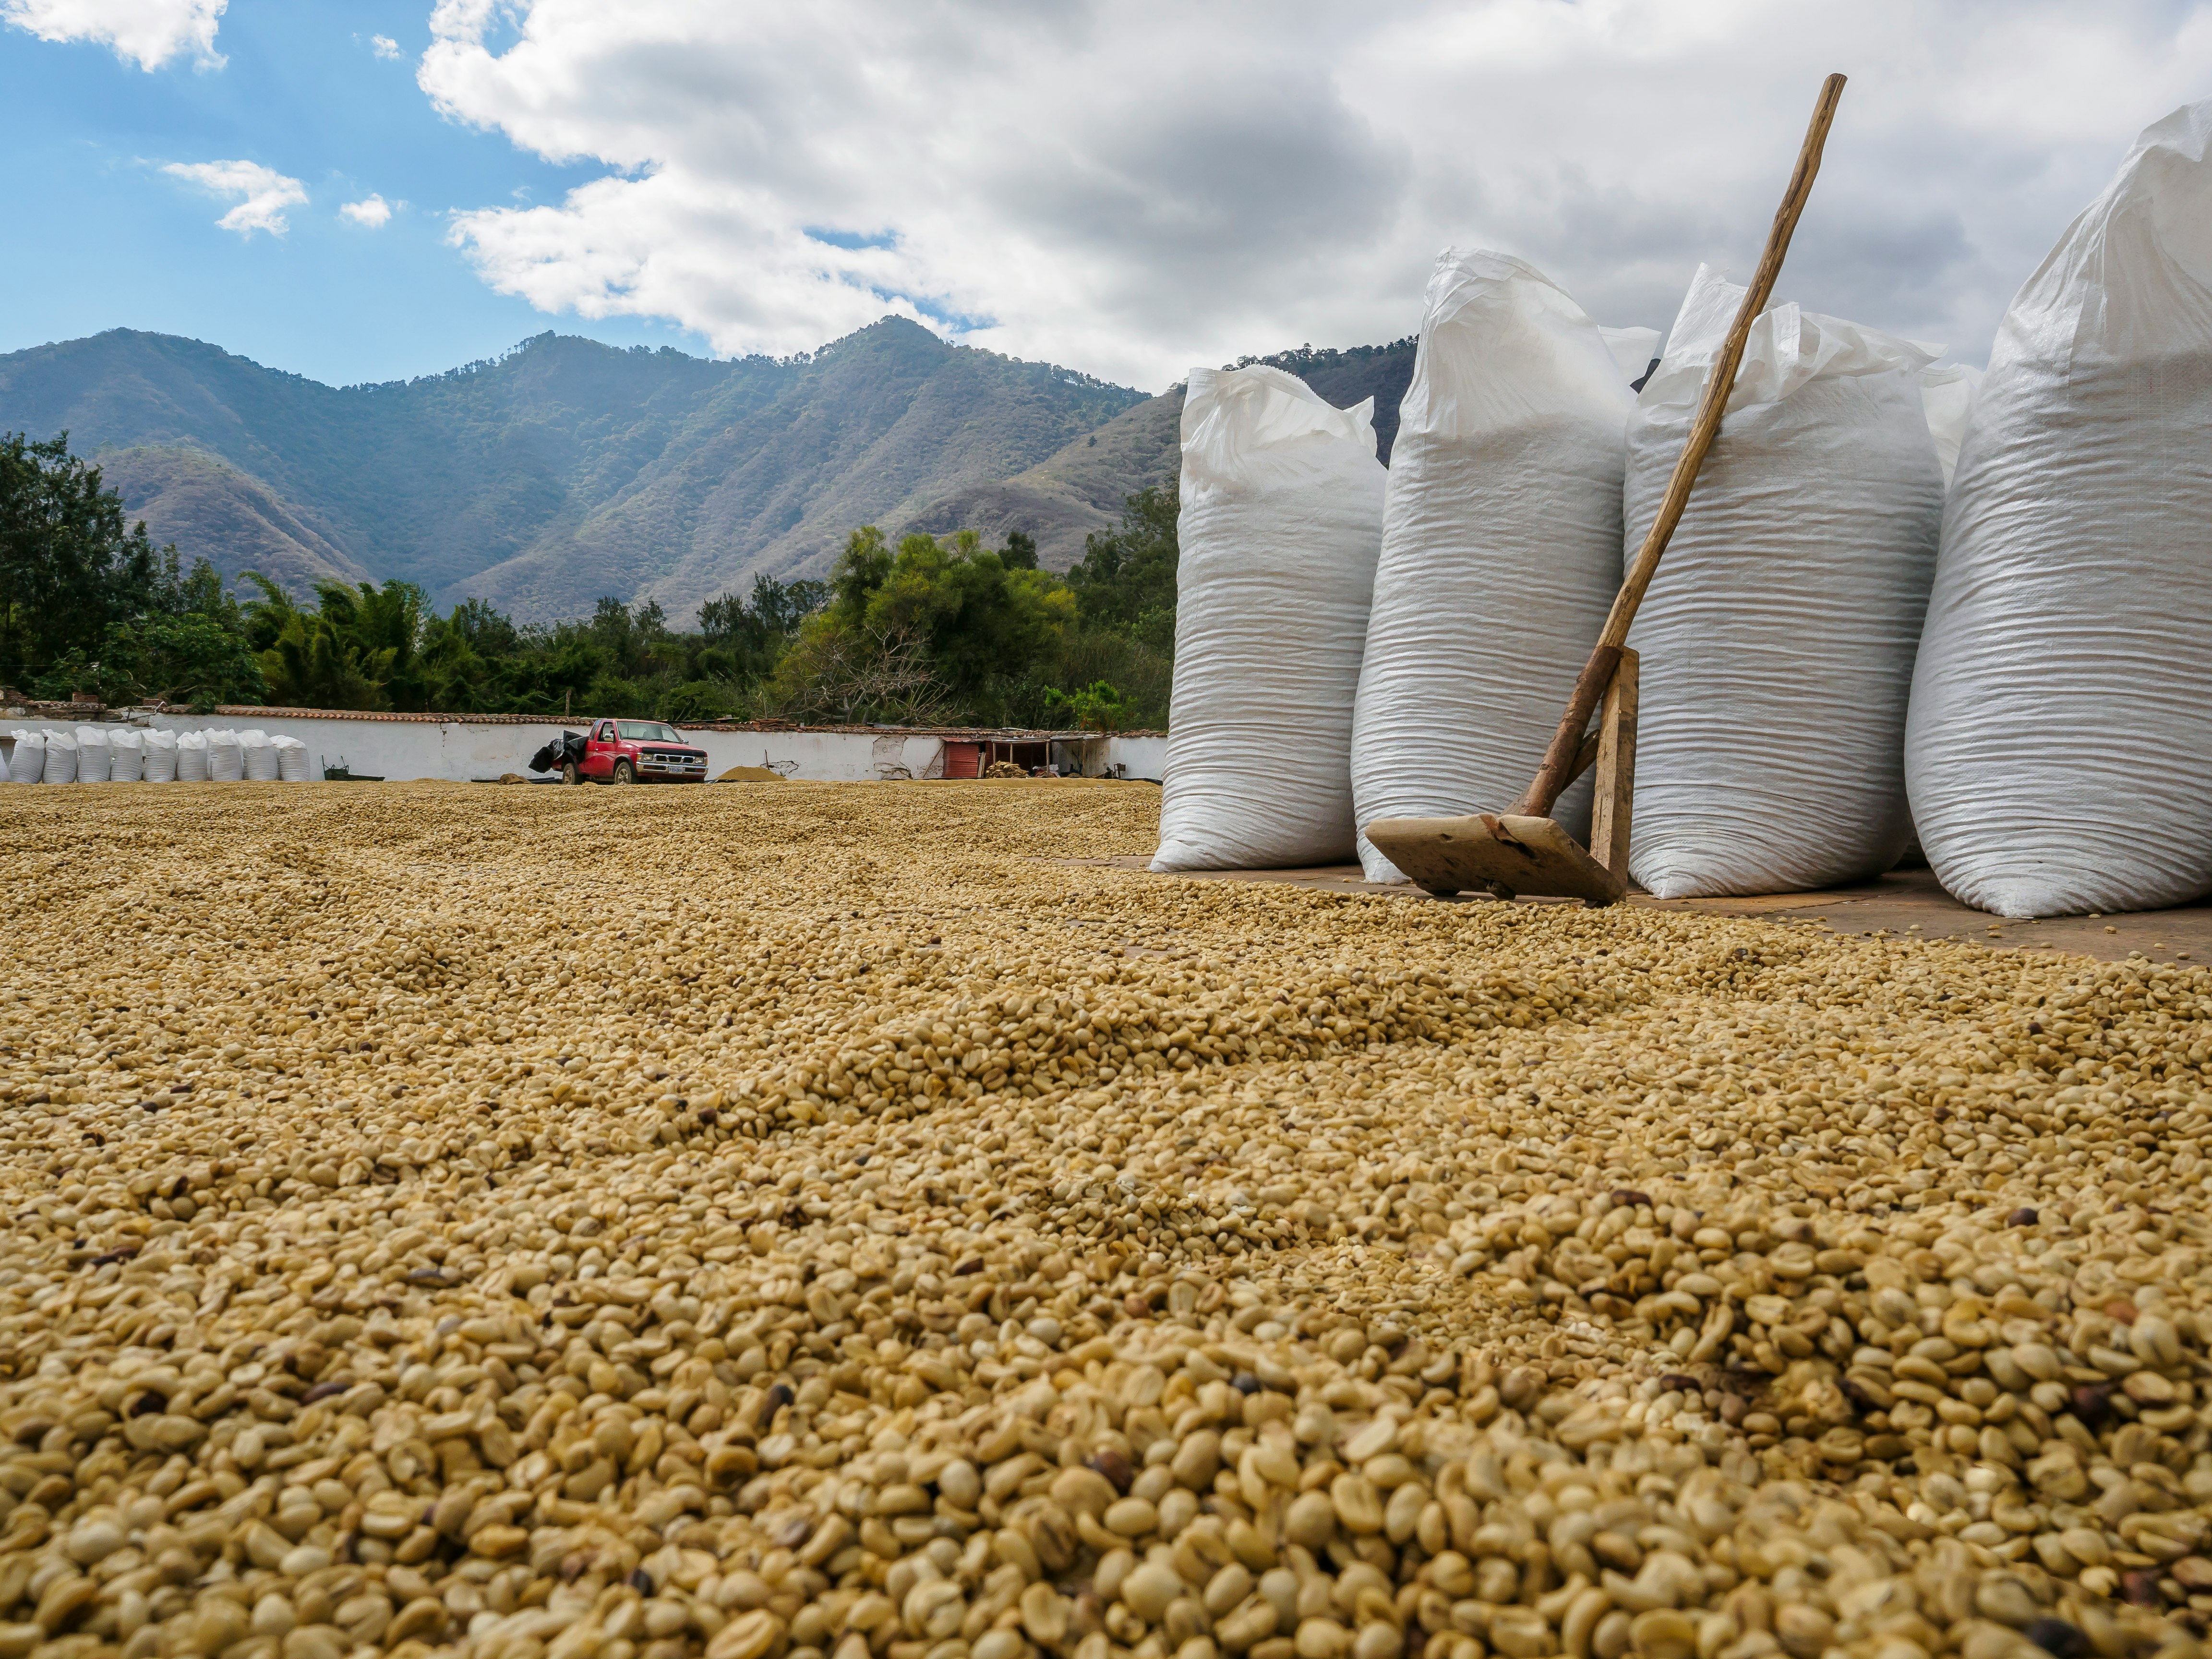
567 470
186 493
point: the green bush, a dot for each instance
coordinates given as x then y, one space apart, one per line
699 700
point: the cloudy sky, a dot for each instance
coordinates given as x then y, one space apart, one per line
369 189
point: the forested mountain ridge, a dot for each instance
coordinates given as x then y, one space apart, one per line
193 493
566 469
561 473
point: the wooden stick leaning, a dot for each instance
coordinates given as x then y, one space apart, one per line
1524 850
1557 769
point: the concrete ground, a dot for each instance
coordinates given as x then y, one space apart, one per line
1902 901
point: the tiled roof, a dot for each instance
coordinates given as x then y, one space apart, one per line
249 711
957 733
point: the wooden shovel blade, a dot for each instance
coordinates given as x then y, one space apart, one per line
1504 854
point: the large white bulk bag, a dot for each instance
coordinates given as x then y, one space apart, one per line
1282 516
61 758
4 778
1778 637
291 759
1501 548
1947 396
225 764
2060 747
92 761
161 756
259 759
126 757
1635 352
29 763
191 758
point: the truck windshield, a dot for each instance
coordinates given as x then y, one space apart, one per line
647 732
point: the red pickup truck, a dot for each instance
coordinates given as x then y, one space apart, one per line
637 751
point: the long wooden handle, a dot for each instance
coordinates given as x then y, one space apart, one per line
1557 771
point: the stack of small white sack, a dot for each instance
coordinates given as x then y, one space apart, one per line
92 755
226 757
61 758
126 755
259 758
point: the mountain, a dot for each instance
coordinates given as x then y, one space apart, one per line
567 470
189 490
1072 492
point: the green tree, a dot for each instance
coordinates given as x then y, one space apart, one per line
1126 578
186 644
1096 707
698 700
745 639
776 608
1125 591
987 626
463 665
318 658
849 677
190 647
70 568
487 633
933 630
863 568
198 660
1003 642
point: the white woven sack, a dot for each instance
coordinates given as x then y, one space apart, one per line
1635 352
226 762
92 761
1282 517
259 758
1778 637
291 759
2059 752
1501 547
126 755
161 756
1947 396
191 758
29 763
61 758
3 769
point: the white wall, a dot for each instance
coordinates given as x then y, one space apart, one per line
461 751
1140 758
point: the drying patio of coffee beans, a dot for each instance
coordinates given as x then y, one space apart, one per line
782 1221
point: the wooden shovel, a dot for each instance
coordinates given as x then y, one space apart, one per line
1523 849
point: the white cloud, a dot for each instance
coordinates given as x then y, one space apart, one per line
385 47
264 193
147 32
371 211
1135 187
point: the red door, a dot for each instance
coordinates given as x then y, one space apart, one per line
599 751
964 760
